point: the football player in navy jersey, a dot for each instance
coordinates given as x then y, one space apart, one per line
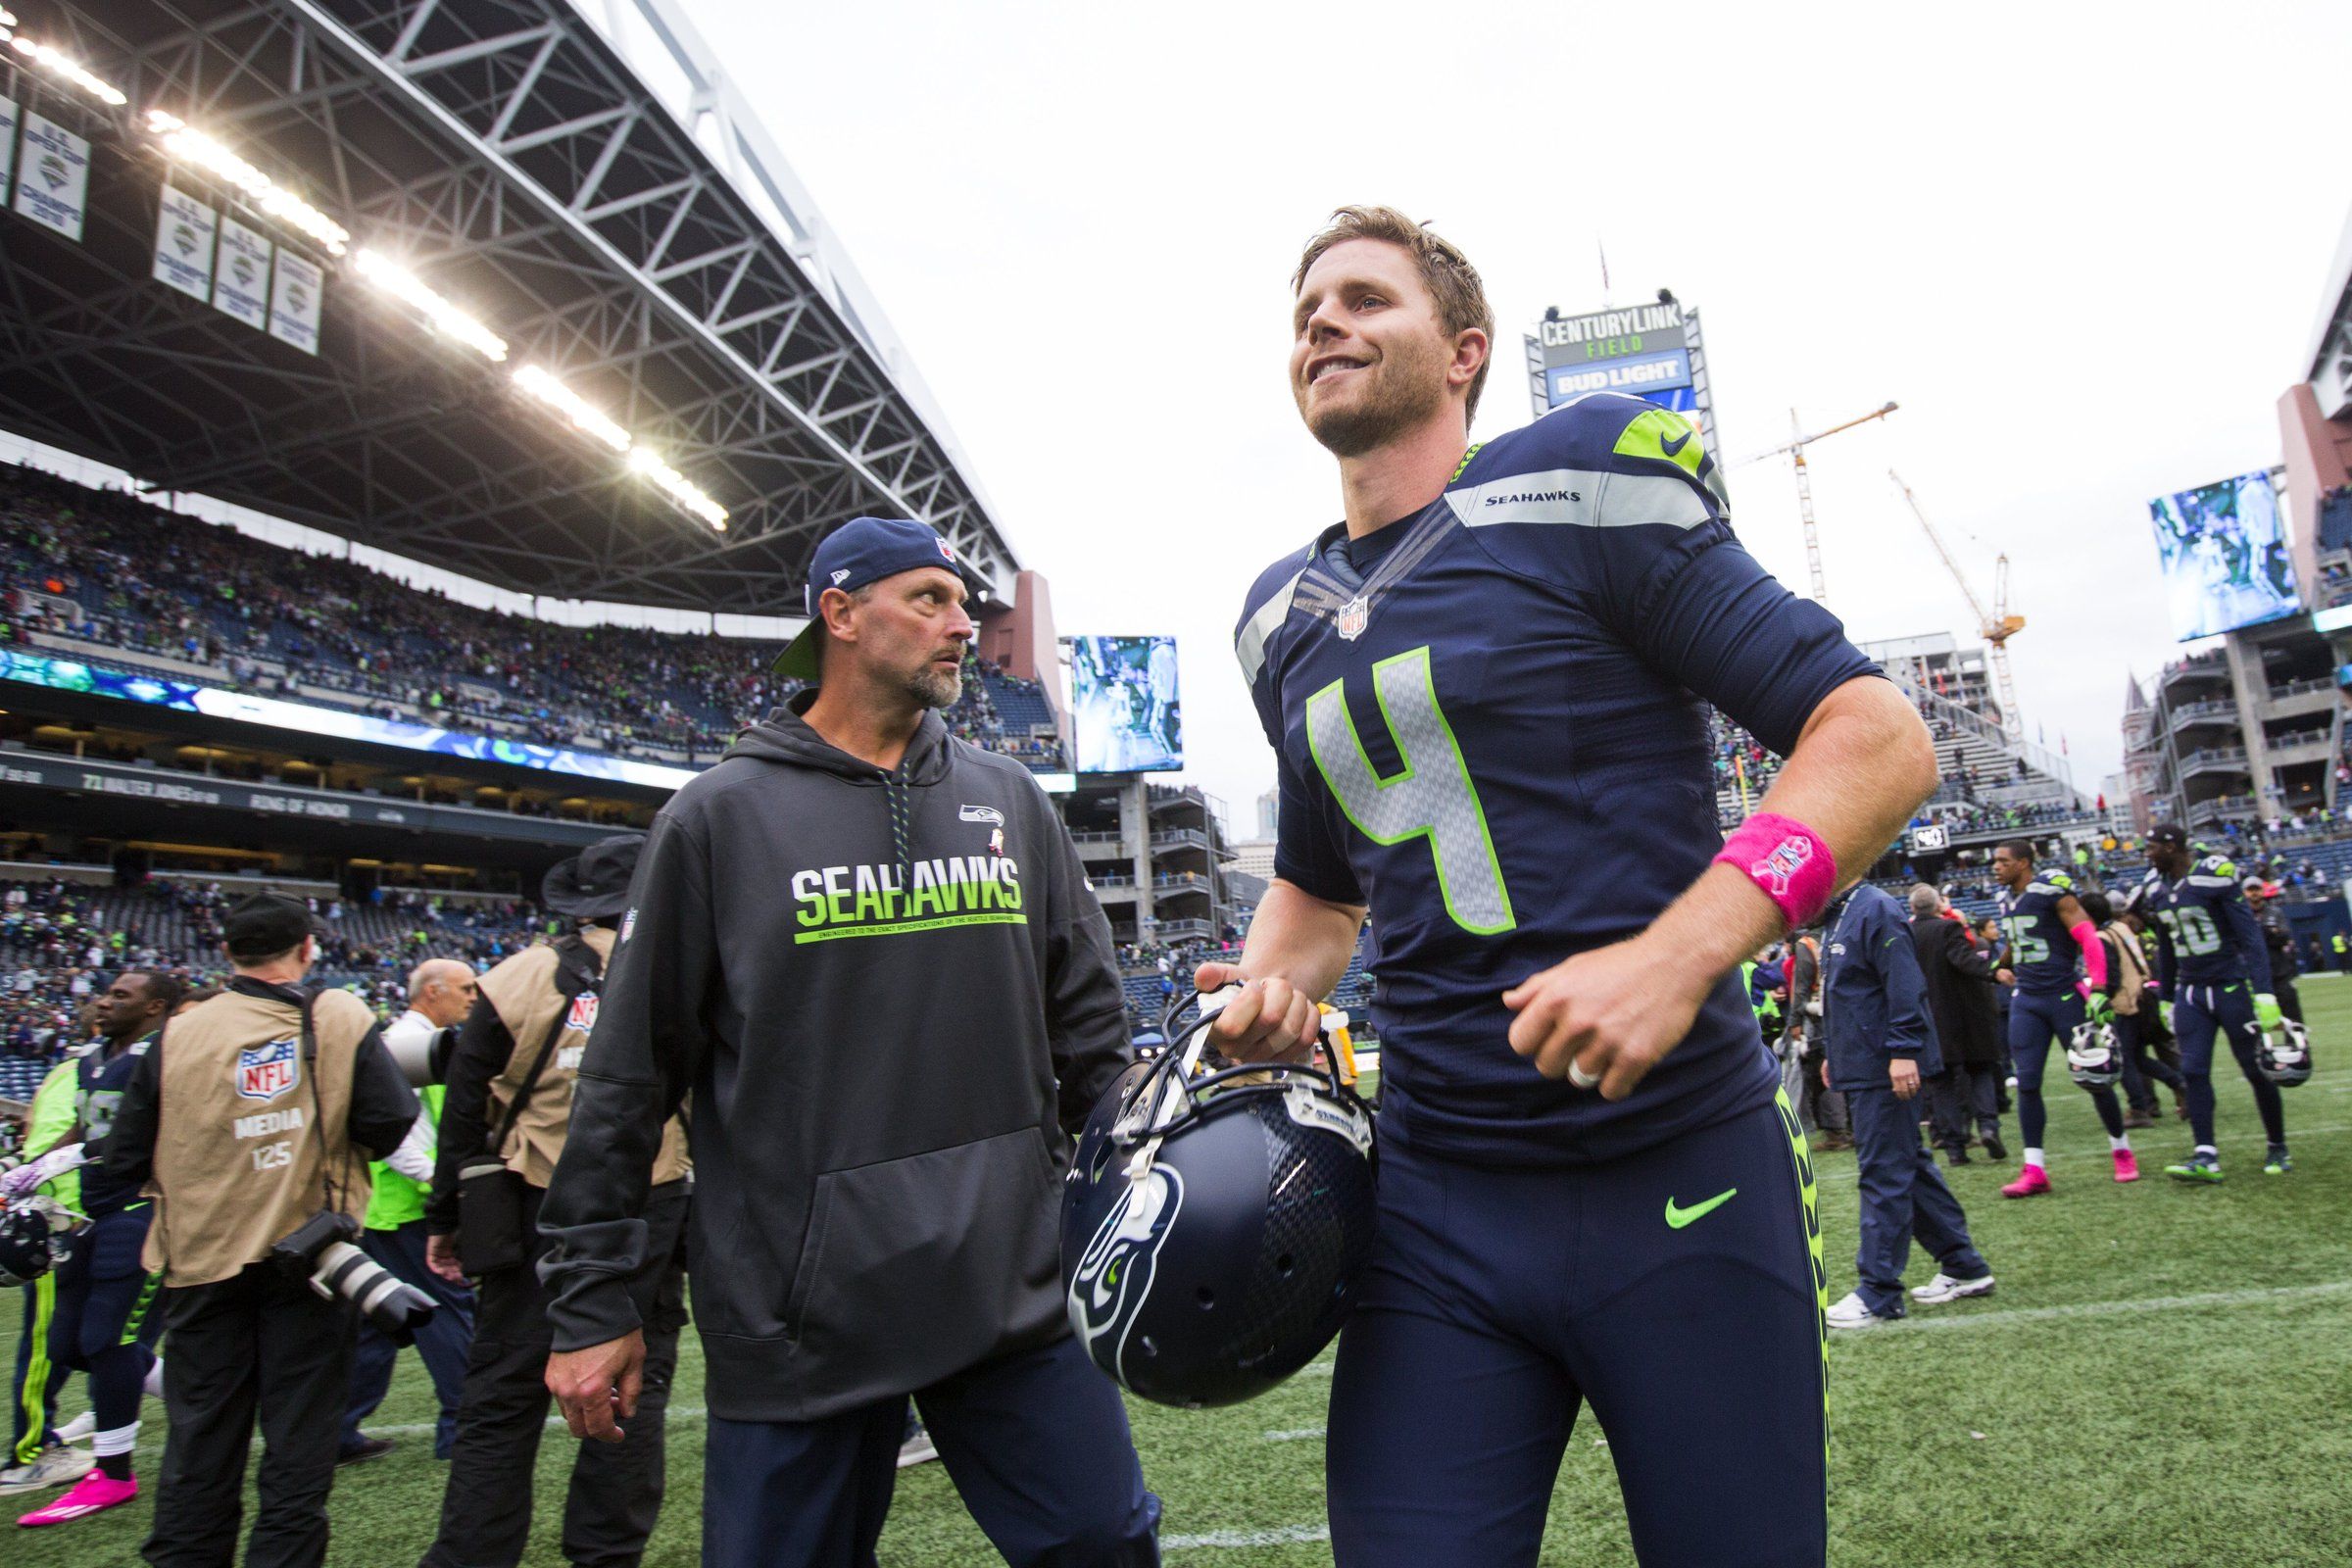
2043 926
1485 690
2215 969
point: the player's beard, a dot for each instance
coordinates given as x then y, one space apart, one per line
935 688
1406 388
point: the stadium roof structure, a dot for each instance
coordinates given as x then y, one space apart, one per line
591 187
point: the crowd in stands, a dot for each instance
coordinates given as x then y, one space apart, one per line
108 568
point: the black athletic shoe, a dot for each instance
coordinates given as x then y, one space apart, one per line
1994 1148
365 1450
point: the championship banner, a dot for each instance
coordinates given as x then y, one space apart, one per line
294 299
184 243
8 145
241 284
53 177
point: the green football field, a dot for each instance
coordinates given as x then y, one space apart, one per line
2165 1377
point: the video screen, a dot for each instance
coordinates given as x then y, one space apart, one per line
1123 705
2223 553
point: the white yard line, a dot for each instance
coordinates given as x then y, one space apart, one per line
1279 1536
1293 1435
2144 1303
2294 1130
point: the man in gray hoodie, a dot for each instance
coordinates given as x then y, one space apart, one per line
864 955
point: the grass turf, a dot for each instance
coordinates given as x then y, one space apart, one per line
2162 1380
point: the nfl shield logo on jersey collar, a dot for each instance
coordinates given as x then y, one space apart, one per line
1353 616
265 1072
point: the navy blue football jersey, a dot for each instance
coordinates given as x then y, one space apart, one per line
2042 950
1493 736
2212 937
98 1086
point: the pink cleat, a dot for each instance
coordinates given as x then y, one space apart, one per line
2031 1182
2126 1167
94 1492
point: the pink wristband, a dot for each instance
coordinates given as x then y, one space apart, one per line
1787 860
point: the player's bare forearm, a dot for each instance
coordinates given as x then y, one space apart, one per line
1297 949
1860 768
1603 1018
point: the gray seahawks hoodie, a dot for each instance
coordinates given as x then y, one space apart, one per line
890 996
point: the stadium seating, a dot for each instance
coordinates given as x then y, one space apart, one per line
91 573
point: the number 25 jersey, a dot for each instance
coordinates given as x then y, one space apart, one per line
1493 736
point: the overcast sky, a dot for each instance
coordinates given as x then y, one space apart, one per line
2083 246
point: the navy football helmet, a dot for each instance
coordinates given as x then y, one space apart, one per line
1217 1220
26 1250
2285 1058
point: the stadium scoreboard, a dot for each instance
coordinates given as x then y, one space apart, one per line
1651 351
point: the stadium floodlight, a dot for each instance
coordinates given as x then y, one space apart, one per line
583 414
59 64
185 141
684 491
446 319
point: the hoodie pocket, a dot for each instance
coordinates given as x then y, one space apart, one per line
930 1261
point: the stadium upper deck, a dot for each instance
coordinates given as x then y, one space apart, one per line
600 207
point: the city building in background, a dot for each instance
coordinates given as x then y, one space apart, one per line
2248 732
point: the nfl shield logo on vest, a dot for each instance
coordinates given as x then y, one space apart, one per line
583 1014
266 1072
1353 615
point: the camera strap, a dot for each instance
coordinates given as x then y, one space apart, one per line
578 968
310 1070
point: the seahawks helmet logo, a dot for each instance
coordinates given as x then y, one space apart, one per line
1113 1278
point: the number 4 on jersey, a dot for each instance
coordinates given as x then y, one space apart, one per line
1433 797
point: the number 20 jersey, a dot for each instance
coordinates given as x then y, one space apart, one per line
1493 736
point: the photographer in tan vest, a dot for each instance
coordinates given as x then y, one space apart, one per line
251 1121
503 1125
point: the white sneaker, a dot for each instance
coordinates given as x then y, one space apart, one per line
79 1429
153 1387
1850 1313
55 1466
919 1448
1943 1287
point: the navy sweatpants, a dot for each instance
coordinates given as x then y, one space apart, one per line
1036 1444
2034 1020
2199 1012
443 1343
1679 1292
1904 1196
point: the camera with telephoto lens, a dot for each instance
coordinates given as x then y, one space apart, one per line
423 1060
321 1249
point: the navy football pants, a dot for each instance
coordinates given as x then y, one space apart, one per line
2198 1014
2033 1021
1499 1300
1036 1444
104 1296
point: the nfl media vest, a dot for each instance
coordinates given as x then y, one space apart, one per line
246 1138
522 989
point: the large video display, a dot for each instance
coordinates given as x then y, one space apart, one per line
2223 556
66 675
1123 705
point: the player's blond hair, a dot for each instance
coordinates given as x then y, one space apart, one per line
1453 283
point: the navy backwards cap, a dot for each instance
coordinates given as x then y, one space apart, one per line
862 551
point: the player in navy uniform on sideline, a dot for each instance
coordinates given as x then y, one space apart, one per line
1484 688
2215 969
2043 925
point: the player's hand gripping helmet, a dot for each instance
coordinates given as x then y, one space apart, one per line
1216 1223
2285 1058
2091 1056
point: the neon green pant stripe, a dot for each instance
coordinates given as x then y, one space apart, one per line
149 1288
35 1392
1802 1153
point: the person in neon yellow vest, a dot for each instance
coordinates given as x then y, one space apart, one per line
441 990
35 1459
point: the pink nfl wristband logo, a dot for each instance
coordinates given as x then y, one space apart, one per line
1787 860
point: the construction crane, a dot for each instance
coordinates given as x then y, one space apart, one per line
1804 482
1997 628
